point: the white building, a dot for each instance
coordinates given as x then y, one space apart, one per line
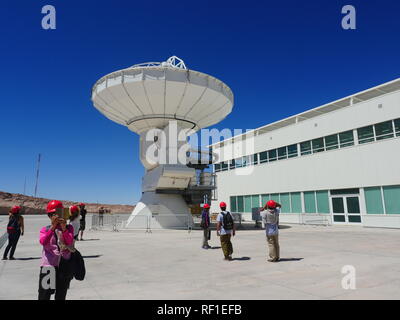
338 163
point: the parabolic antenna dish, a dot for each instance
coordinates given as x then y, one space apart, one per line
149 95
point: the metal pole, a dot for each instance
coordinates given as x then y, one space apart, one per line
37 175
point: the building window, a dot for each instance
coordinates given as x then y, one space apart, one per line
272 155
263 156
295 199
318 145
233 204
254 159
285 202
373 200
345 191
282 153
346 139
309 202
331 142
246 161
384 130
247 203
264 199
240 204
238 163
322 201
365 134
224 165
305 148
292 151
255 201
397 127
391 195
217 167
232 164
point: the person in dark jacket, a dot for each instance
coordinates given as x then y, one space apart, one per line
205 225
83 213
15 229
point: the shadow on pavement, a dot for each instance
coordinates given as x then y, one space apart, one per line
215 248
241 259
290 259
89 240
30 258
94 256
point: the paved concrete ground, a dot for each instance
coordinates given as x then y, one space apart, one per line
169 264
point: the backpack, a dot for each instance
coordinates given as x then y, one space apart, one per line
13 225
78 265
227 221
203 223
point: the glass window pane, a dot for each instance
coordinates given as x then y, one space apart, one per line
238 163
332 142
233 204
318 145
282 153
232 164
322 201
397 127
272 155
373 200
295 198
391 195
346 139
339 218
353 205
384 130
365 134
255 201
246 161
275 197
217 167
305 148
292 151
240 204
337 205
285 202
247 203
254 158
263 156
224 165
264 199
309 202
354 218
345 191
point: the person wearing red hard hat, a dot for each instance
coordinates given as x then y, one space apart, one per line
270 215
205 225
56 239
83 213
225 229
74 220
15 229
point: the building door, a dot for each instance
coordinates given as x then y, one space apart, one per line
346 209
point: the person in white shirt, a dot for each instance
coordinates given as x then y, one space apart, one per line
225 229
270 215
74 220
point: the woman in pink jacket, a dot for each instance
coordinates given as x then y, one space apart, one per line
56 239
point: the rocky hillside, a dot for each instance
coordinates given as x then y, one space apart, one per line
31 205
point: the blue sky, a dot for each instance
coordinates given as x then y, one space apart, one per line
279 58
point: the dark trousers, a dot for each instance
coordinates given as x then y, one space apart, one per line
62 284
12 244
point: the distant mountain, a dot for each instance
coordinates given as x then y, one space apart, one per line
32 205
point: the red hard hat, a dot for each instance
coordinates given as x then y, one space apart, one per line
73 209
15 209
271 204
53 205
206 206
222 205
82 204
